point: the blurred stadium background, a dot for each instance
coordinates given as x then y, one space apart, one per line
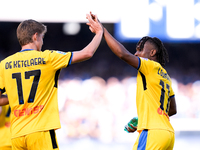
97 97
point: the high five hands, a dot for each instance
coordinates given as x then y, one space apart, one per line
94 25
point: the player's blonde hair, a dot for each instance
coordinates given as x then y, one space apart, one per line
27 29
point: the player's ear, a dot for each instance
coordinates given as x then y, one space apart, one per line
34 37
153 52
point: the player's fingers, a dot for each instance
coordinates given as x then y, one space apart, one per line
131 130
133 127
91 29
93 16
86 16
89 18
88 23
90 26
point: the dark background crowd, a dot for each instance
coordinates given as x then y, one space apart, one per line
183 65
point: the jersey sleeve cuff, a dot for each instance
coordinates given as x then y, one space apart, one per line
70 60
139 63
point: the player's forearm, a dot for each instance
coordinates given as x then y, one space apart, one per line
91 48
116 47
172 109
94 44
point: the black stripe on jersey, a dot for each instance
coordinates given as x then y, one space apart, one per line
3 90
56 78
8 112
144 81
53 138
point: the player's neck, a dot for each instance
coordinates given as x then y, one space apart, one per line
154 58
29 46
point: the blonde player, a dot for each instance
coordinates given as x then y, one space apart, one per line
30 79
5 135
154 97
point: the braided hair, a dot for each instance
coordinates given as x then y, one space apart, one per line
161 51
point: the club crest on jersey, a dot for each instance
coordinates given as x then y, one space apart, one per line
61 52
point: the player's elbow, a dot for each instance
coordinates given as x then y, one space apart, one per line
125 56
80 56
89 55
172 112
121 55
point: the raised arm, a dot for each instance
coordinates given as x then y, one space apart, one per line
119 50
90 49
116 47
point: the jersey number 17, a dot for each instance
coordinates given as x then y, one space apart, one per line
28 74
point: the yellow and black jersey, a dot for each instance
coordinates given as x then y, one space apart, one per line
5 135
154 90
30 78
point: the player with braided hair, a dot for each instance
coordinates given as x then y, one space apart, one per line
162 53
155 98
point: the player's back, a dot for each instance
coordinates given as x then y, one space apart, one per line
154 89
30 78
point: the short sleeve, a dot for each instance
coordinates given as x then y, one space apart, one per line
60 59
145 65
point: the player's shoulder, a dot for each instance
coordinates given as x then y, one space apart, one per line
47 51
146 61
8 58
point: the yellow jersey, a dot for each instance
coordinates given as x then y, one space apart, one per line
154 90
30 79
5 135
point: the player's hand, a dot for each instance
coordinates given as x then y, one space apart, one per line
131 130
94 25
93 17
